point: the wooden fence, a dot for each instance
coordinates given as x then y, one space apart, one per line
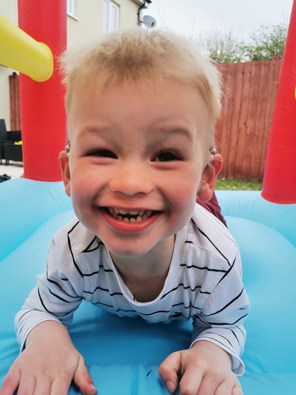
242 134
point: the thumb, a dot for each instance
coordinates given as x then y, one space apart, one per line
169 370
82 379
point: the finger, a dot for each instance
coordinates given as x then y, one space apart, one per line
43 386
59 386
225 388
211 383
10 383
237 390
191 381
169 371
83 380
228 387
26 385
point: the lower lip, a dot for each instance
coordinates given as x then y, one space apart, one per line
129 227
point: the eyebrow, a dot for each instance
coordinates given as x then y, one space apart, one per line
161 132
95 131
176 131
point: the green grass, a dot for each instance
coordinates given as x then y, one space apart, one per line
238 185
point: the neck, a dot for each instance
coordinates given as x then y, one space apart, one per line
145 275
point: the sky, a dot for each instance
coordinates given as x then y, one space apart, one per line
241 17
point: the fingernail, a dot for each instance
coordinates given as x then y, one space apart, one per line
93 388
171 386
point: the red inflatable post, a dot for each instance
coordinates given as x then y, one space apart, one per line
279 184
42 108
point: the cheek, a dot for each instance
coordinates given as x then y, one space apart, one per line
188 185
83 174
182 206
81 185
184 193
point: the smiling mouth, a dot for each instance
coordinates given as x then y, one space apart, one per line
130 215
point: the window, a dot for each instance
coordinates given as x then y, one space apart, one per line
71 8
111 16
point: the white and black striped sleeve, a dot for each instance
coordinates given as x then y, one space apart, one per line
54 298
221 318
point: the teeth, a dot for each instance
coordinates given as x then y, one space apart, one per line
130 215
133 212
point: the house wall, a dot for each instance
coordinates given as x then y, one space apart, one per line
88 22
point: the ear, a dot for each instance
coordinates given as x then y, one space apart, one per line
209 178
65 170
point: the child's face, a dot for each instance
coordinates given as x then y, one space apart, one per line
135 163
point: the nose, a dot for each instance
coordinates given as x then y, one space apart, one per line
131 179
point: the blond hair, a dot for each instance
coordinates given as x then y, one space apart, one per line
141 56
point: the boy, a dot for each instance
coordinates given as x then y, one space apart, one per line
141 109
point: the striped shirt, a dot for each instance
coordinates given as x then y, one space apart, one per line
204 284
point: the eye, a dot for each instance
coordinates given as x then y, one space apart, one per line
167 156
102 153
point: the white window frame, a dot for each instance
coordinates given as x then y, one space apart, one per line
71 8
110 16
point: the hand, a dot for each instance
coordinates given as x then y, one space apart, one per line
48 365
204 369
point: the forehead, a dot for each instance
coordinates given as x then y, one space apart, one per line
89 94
141 106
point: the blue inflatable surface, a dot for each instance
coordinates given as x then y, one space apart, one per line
123 354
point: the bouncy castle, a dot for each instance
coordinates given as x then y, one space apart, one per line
123 355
